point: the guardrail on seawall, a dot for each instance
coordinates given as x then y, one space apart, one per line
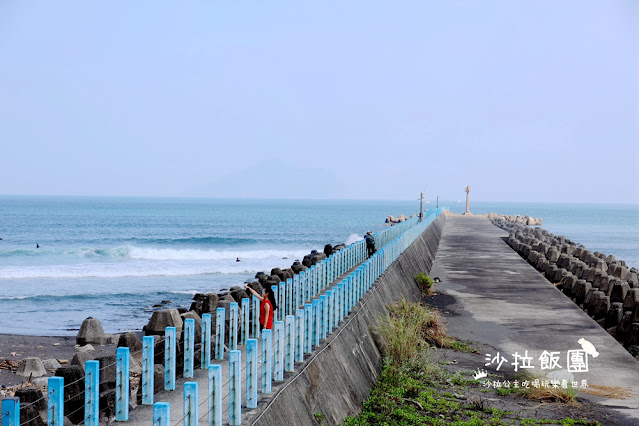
311 306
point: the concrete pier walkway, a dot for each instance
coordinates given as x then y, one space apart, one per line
495 298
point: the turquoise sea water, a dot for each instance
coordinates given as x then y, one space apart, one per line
114 258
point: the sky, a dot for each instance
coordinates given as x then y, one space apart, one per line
523 101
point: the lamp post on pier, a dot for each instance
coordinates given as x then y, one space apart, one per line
467 200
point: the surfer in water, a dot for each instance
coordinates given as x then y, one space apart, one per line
238 260
37 245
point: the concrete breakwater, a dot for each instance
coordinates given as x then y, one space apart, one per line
334 381
603 286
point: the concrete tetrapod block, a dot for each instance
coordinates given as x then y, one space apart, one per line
31 367
91 331
162 319
80 358
132 341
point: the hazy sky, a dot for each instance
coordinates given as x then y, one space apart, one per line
522 100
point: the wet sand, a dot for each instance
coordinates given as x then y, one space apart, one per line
15 348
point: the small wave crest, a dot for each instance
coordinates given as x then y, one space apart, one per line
353 238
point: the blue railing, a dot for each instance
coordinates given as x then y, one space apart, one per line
311 306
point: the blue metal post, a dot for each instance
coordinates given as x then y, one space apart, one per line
299 335
281 306
189 345
329 311
206 342
317 315
251 373
340 302
55 411
312 286
122 384
303 289
91 393
290 337
324 316
169 358
235 387
215 395
161 414
289 296
308 328
256 317
233 326
190 410
267 360
220 318
10 411
148 369
245 320
276 292
278 357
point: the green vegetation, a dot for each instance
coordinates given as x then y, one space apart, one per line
414 390
319 417
408 329
425 283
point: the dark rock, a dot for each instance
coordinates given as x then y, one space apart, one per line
238 295
73 376
328 250
31 402
132 341
631 300
91 332
614 315
107 372
196 306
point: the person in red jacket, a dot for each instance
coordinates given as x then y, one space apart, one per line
267 306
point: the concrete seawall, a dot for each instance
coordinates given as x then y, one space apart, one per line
338 377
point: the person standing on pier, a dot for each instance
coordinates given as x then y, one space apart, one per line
267 306
370 243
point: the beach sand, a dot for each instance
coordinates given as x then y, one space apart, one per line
15 348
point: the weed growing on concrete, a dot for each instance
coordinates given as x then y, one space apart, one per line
425 283
319 417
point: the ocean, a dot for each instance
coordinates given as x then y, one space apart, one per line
115 258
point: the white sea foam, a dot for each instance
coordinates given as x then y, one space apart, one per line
353 238
162 262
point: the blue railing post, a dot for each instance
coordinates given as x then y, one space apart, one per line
301 290
220 318
161 414
267 360
317 323
289 296
189 345
245 320
55 407
11 411
148 369
281 305
233 326
91 393
324 316
329 311
235 387
308 328
169 358
340 302
278 357
215 395
299 335
251 373
276 293
122 384
290 337
206 342
190 410
313 283
256 317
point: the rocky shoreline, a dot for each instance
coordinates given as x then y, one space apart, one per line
603 286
